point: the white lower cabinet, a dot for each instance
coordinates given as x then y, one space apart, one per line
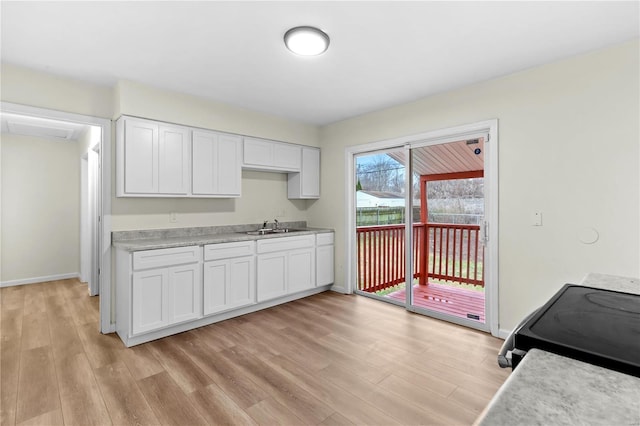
166 291
285 266
185 293
272 275
167 295
149 306
324 259
301 270
229 284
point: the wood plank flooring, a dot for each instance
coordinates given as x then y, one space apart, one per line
328 359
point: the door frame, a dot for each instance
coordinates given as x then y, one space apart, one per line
451 134
89 224
104 200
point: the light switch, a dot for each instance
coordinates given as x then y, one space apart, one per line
536 218
173 217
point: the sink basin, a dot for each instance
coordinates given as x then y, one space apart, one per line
260 232
267 231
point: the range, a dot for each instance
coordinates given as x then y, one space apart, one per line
598 326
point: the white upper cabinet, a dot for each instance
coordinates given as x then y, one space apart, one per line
173 153
155 159
262 154
217 164
306 184
286 156
139 146
152 158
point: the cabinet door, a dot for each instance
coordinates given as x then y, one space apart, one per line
216 276
173 162
272 276
242 282
286 156
324 265
184 293
140 157
217 166
149 300
229 165
301 270
306 184
228 284
310 174
261 154
258 152
204 178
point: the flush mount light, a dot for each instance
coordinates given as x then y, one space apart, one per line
306 41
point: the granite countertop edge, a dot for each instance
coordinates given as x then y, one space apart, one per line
552 389
182 237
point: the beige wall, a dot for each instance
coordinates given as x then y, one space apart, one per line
144 101
40 208
28 87
568 146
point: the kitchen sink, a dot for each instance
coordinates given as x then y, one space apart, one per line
267 231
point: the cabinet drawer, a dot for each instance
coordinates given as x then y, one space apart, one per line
286 243
228 250
165 257
325 239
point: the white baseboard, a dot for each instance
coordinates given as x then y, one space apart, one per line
35 280
503 334
338 289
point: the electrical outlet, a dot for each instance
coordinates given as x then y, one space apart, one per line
173 217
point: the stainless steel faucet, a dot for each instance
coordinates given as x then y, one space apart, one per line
276 225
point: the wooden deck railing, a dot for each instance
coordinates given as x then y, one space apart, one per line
451 253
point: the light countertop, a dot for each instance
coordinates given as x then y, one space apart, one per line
549 389
181 237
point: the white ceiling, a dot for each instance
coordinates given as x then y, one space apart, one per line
381 53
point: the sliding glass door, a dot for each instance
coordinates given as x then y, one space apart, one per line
419 228
381 213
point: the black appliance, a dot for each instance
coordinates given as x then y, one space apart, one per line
601 327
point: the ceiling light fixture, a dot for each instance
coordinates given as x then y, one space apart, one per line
306 41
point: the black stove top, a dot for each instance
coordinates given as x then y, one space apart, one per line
598 326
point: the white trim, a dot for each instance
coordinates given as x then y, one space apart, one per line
428 138
37 280
85 241
106 323
408 226
339 289
491 216
503 334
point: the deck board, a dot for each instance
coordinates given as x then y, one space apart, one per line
445 299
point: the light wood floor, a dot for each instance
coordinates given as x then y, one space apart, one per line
328 359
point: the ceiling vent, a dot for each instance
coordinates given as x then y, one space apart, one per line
41 127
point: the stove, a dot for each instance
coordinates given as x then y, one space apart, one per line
597 326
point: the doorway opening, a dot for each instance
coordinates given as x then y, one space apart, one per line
435 227
90 141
